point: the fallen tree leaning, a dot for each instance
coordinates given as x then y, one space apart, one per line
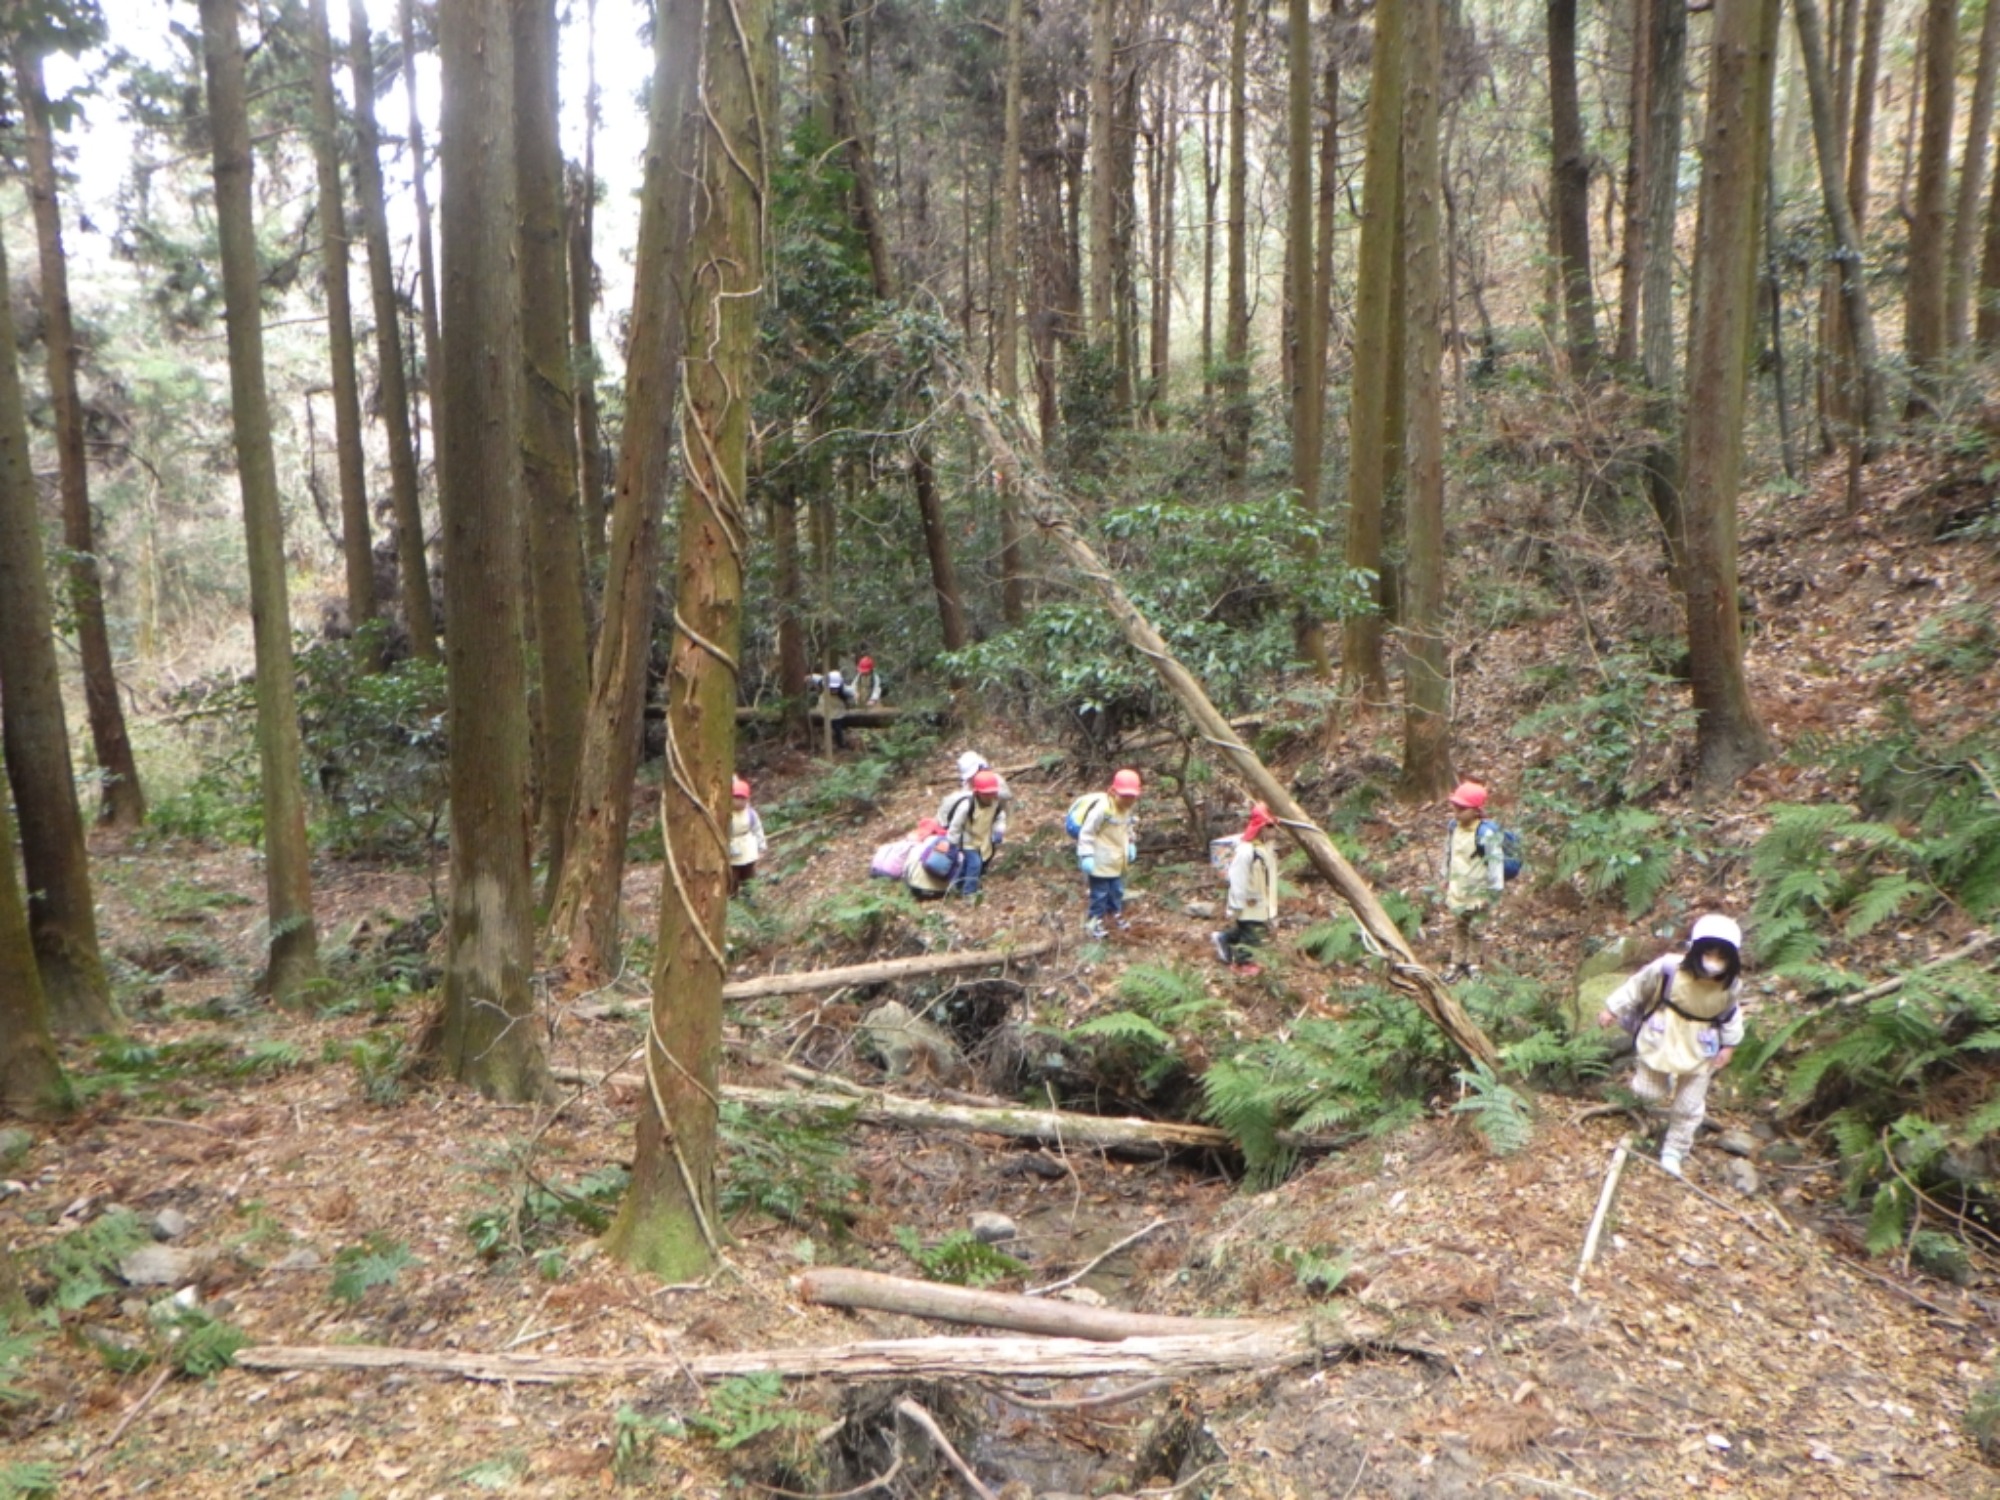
1268 1345
1054 517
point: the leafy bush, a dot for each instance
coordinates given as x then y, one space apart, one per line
379 1063
1622 851
1500 1113
83 1264
745 1407
359 1269
961 1258
1164 1003
790 1165
543 1207
1613 745
376 743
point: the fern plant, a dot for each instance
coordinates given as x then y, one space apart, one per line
358 1269
1499 1112
961 1258
1625 851
1162 1003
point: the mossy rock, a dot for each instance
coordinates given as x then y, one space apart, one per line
1620 958
1589 999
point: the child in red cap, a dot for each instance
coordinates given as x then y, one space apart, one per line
1475 873
1106 845
746 837
1253 895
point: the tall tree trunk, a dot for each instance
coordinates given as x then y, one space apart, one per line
1426 690
485 1033
1930 244
1972 184
667 1222
583 918
923 474
590 454
1848 266
1165 205
1103 175
1861 128
1124 221
548 430
61 918
1569 191
1381 234
1211 184
1236 413
122 801
1007 314
1632 254
294 954
411 563
32 1082
1986 326
1329 196
419 183
1666 49
1735 158
1308 398
356 545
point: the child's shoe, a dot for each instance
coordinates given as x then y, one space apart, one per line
1671 1160
1095 928
1221 946
1247 971
1118 921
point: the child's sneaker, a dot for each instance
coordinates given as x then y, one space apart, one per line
1095 928
1118 921
1221 946
1671 1162
1247 971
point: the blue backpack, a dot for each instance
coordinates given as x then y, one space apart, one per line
1080 811
1510 845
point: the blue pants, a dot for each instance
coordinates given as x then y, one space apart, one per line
1107 895
969 870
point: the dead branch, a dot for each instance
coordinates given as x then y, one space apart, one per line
1053 1358
1973 945
1097 1260
906 1407
1055 518
1610 1191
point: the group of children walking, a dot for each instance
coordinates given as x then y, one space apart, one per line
1682 1010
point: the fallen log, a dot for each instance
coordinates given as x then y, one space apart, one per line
924 964
805 981
1055 1127
837 1286
1271 1345
1054 517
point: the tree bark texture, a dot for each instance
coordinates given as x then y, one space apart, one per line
1308 398
487 1034
412 564
1007 314
583 919
1632 247
1569 190
667 1221
62 921
1666 94
548 428
32 1083
356 545
1735 155
121 799
1986 325
1972 185
839 1286
294 953
1427 771
1235 378
1930 240
1362 664
1055 516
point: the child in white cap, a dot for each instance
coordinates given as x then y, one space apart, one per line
1685 1018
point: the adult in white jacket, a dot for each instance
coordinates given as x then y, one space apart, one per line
1685 1015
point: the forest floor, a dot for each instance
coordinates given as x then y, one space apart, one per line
1721 1345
